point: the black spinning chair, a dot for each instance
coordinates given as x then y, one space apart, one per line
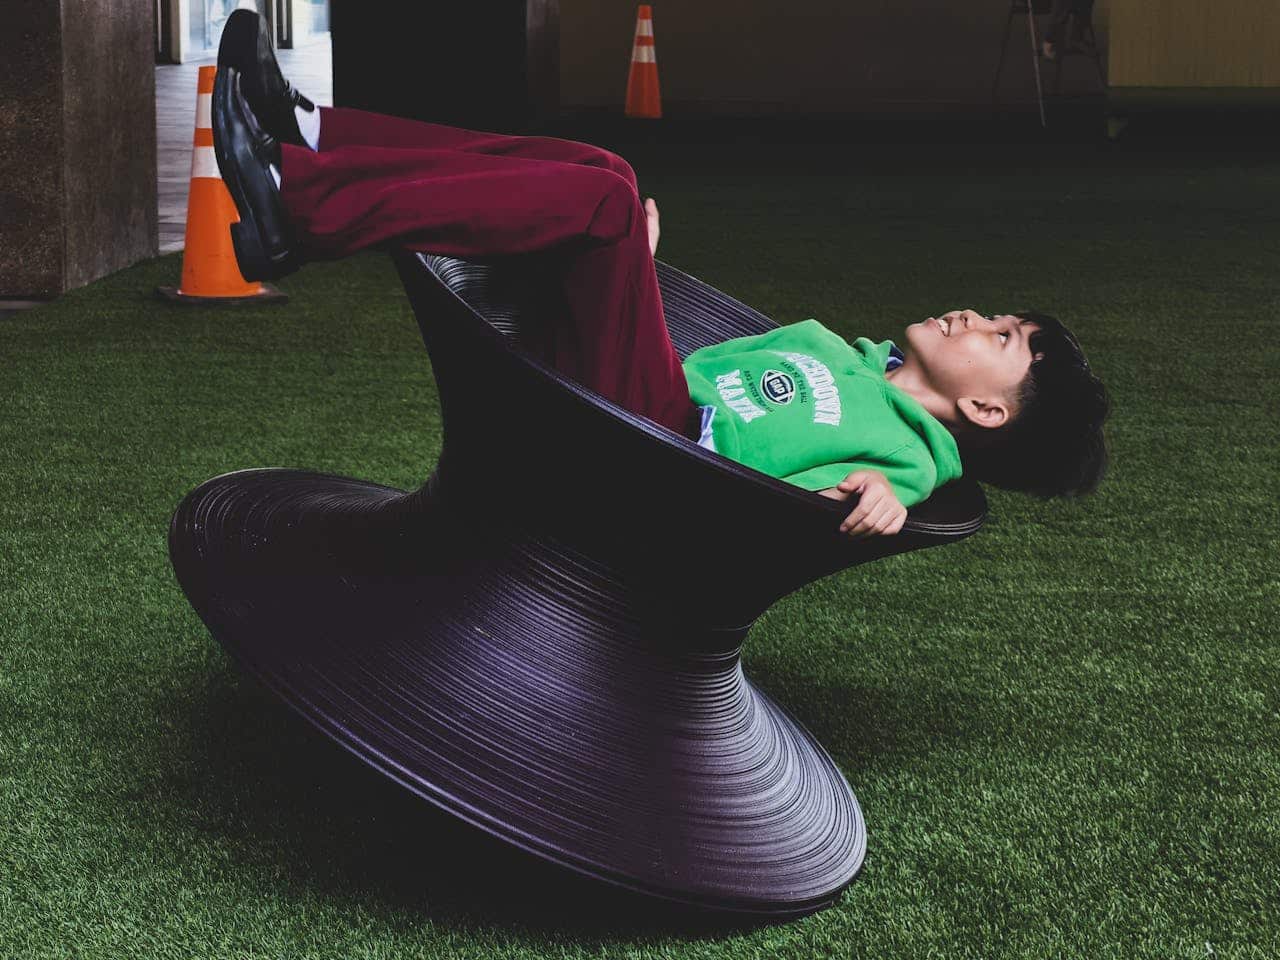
545 639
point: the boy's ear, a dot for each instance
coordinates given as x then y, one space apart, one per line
983 413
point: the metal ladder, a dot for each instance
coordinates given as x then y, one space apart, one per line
1078 26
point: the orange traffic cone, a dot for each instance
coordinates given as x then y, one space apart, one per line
210 273
643 98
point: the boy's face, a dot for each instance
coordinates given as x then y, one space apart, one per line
972 361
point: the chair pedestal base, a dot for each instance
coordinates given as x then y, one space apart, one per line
522 687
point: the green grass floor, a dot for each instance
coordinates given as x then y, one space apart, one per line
1063 730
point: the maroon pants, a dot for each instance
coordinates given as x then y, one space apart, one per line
465 193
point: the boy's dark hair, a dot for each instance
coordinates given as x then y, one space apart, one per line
1053 445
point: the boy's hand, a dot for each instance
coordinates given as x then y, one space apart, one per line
878 510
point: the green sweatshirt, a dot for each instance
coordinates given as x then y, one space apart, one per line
802 404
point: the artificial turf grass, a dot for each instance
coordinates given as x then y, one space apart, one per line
1061 730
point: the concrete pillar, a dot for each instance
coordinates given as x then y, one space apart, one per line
77 143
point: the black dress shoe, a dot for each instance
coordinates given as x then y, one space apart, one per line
263 239
246 47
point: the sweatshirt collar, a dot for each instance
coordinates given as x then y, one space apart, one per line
880 357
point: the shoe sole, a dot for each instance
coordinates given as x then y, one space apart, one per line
246 235
242 35
238 33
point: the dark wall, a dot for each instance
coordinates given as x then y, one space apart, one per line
468 64
747 57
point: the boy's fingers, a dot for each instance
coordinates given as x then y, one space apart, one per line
871 516
858 514
874 521
852 519
894 521
867 502
877 520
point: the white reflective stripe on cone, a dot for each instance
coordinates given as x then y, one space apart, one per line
204 110
204 163
644 28
643 54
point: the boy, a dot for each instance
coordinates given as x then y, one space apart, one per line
1013 392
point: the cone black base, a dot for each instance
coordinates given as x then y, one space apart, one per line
269 294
